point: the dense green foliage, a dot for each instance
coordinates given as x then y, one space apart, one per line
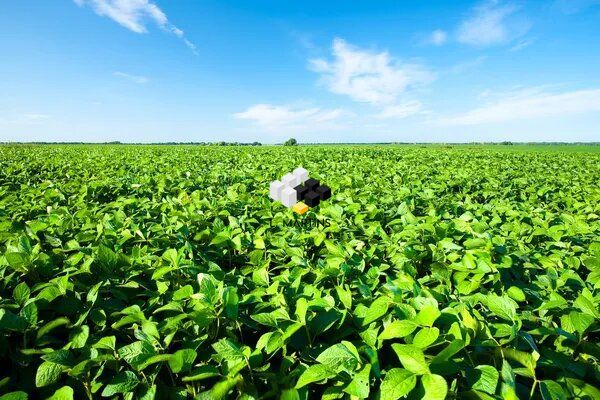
166 272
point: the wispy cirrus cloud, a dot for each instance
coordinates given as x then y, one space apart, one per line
528 104
135 15
401 110
278 117
367 76
35 116
133 78
490 23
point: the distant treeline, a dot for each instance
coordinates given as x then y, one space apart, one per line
222 143
149 144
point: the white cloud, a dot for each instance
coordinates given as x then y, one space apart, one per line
134 78
401 110
438 37
490 24
273 118
367 76
529 104
134 15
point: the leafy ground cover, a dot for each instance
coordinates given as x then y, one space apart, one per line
166 272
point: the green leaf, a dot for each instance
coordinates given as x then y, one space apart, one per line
14 396
121 383
435 387
397 329
412 358
314 373
397 383
376 310
425 337
107 258
228 350
338 358
64 393
137 353
586 306
502 306
79 336
182 360
483 378
21 293
345 296
12 322
230 301
427 315
201 373
516 294
51 326
47 374
17 260
220 389
359 386
552 391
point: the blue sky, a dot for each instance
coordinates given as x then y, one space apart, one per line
319 71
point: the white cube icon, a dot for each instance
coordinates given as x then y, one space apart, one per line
301 174
290 180
288 197
275 190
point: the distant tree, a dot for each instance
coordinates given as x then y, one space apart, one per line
291 142
256 144
507 143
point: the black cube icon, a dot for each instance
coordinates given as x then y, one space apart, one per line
312 184
312 199
301 191
324 192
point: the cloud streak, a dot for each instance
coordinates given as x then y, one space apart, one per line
491 23
133 78
135 15
529 104
274 118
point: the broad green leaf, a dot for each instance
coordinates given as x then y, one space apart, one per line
314 373
502 306
412 358
435 387
516 294
47 374
121 383
182 360
376 310
397 383
21 293
359 386
397 329
425 337
427 315
64 393
552 391
338 358
483 378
